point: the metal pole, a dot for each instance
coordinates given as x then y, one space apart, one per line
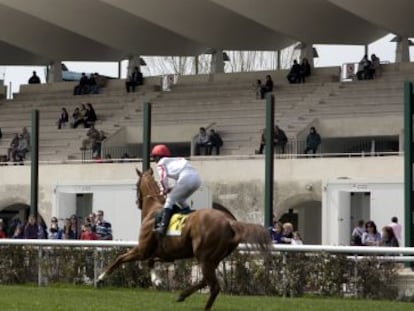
34 152
269 160
146 139
408 162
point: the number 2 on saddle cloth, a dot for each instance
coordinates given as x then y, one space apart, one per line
177 220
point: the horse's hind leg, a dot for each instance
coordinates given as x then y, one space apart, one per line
192 289
132 255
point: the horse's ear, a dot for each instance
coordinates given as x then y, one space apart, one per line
151 171
138 172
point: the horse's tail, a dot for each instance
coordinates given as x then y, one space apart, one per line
223 209
253 234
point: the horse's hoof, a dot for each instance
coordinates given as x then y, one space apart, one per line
180 298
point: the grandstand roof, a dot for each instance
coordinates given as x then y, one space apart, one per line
39 31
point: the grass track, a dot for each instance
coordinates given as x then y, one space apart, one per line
71 298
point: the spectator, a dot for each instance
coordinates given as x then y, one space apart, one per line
396 227
287 235
136 78
19 154
305 70
375 66
18 232
87 233
276 232
294 73
214 141
371 237
26 135
92 140
280 139
83 86
93 87
388 237
42 232
356 236
55 233
34 79
31 228
73 230
13 146
202 141
268 87
364 69
76 118
262 142
313 140
103 228
90 115
258 89
63 119
297 239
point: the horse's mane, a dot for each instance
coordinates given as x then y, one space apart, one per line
221 208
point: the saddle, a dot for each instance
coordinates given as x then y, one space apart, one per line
175 210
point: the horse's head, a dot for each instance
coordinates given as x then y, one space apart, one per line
146 186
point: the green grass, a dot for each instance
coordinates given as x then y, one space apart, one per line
74 298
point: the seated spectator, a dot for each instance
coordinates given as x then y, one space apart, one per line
388 237
82 117
83 86
136 78
13 146
202 141
19 154
90 115
268 87
76 118
280 139
214 141
93 87
26 135
313 140
103 227
295 73
92 140
305 70
34 79
375 66
276 232
371 237
364 69
63 119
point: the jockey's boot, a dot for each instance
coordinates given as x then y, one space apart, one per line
165 219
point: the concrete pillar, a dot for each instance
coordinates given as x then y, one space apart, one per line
366 50
133 61
402 52
278 59
55 72
217 62
306 51
196 69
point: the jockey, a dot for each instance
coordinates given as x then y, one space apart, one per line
187 182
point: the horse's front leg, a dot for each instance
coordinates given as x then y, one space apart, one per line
132 255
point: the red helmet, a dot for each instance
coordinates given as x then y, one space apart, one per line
161 151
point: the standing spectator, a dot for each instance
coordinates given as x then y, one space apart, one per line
214 141
313 140
87 233
356 236
34 79
375 66
388 237
396 227
276 232
42 232
136 78
103 228
262 142
55 233
258 89
74 233
202 141
268 87
31 228
280 139
287 236
93 137
63 119
371 236
297 239
18 232
305 70
294 73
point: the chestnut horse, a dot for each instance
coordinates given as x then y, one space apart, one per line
209 235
